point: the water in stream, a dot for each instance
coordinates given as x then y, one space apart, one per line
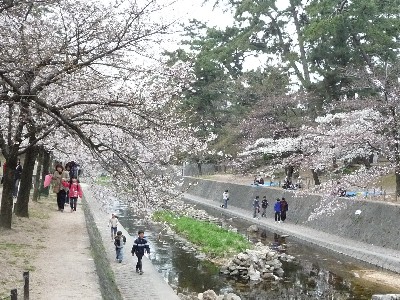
316 275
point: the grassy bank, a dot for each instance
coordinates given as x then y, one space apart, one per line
210 238
20 246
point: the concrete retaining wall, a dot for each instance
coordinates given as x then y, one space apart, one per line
378 223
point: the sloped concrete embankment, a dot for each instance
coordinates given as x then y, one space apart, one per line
377 223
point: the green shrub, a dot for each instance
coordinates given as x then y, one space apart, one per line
210 238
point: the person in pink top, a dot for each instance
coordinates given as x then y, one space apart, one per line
75 191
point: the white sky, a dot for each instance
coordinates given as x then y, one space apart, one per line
184 10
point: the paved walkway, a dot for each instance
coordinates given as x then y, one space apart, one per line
64 268
379 256
150 285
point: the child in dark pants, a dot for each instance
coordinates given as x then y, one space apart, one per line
139 247
119 243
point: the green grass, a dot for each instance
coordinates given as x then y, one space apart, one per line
387 182
103 180
210 238
37 214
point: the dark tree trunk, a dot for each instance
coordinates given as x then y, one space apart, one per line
367 162
289 172
199 168
21 206
315 177
45 171
334 163
36 190
8 188
397 172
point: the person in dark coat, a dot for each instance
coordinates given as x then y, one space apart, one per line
17 178
139 247
284 209
264 205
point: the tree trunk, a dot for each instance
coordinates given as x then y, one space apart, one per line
315 177
199 168
300 40
46 170
397 174
334 163
289 172
367 162
8 187
36 194
21 207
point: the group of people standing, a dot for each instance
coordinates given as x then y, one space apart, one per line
280 208
66 185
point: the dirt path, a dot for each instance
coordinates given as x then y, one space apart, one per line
65 268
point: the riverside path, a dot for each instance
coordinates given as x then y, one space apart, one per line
382 257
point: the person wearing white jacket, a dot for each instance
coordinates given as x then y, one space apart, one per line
113 223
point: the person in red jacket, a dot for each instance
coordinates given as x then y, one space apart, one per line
75 191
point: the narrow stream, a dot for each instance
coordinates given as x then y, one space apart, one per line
316 275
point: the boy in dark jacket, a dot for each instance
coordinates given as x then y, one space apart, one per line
119 242
264 205
139 247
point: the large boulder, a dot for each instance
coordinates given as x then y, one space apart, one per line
254 274
208 295
230 296
253 228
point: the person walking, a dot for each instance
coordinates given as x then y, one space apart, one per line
67 169
17 178
139 247
284 209
113 222
225 198
277 209
256 207
74 191
58 188
119 242
264 205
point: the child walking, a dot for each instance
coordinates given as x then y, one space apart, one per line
75 191
119 243
139 246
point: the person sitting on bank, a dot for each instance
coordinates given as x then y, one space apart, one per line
258 180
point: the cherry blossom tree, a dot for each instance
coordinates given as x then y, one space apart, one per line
69 70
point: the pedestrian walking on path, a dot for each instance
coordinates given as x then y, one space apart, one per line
139 247
119 243
225 198
256 207
74 191
17 178
277 209
264 205
113 222
58 177
284 209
